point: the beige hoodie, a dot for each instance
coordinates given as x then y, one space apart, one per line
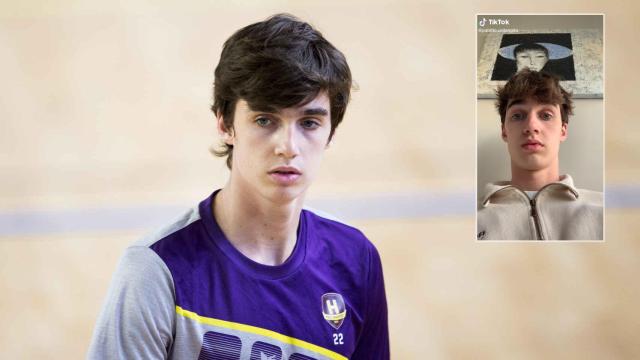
559 211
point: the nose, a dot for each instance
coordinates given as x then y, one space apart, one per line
287 144
532 124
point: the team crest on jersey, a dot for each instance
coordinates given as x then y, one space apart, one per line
333 309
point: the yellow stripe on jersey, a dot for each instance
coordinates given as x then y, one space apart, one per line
260 331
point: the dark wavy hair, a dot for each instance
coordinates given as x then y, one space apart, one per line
278 63
542 86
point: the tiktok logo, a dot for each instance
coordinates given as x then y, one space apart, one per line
491 22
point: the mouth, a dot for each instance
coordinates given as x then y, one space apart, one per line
532 145
286 170
285 175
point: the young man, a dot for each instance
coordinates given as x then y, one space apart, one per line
249 274
538 203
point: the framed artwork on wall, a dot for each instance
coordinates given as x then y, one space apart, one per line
575 56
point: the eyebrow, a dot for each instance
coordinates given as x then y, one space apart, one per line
522 101
514 102
316 111
262 108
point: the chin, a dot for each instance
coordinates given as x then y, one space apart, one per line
532 165
285 194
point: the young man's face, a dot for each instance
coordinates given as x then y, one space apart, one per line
532 59
533 133
277 155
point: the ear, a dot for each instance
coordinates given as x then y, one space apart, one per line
564 132
503 133
226 135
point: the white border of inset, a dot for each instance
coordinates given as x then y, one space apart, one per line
604 147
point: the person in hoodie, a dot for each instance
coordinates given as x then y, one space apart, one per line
537 203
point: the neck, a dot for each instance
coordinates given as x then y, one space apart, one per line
533 180
262 230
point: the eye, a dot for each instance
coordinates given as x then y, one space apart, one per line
517 116
310 124
546 116
263 121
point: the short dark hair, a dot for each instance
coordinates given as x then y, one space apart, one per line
529 46
542 86
278 63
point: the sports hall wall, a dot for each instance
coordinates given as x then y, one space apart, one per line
104 135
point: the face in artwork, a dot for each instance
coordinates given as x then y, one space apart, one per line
533 59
